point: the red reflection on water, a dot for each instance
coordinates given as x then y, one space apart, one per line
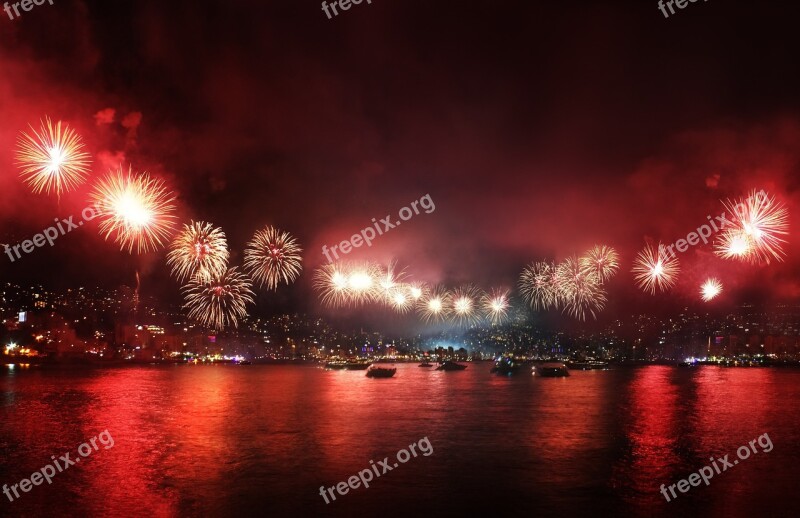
651 418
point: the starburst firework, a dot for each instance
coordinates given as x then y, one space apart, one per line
137 210
758 226
199 249
654 269
219 301
272 257
710 289
602 260
52 159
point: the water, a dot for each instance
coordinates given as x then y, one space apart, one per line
261 440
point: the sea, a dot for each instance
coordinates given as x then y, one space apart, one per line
270 440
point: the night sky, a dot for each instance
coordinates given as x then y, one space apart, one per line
538 129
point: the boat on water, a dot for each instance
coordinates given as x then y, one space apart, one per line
381 372
587 365
506 366
348 365
551 370
426 363
450 366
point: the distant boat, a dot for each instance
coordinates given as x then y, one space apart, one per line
551 370
348 365
505 366
426 363
450 366
381 372
587 365
245 362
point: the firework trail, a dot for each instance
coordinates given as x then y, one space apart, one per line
602 260
655 270
136 209
538 284
218 301
199 249
580 288
710 289
272 257
758 226
52 159
464 305
496 306
434 305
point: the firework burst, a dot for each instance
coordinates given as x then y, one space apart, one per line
758 226
199 249
464 305
710 289
52 159
496 305
580 288
272 257
434 305
655 270
342 284
400 300
602 260
136 209
538 284
218 301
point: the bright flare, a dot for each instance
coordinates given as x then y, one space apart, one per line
137 210
52 159
710 289
199 249
272 257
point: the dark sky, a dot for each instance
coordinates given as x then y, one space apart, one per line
538 129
